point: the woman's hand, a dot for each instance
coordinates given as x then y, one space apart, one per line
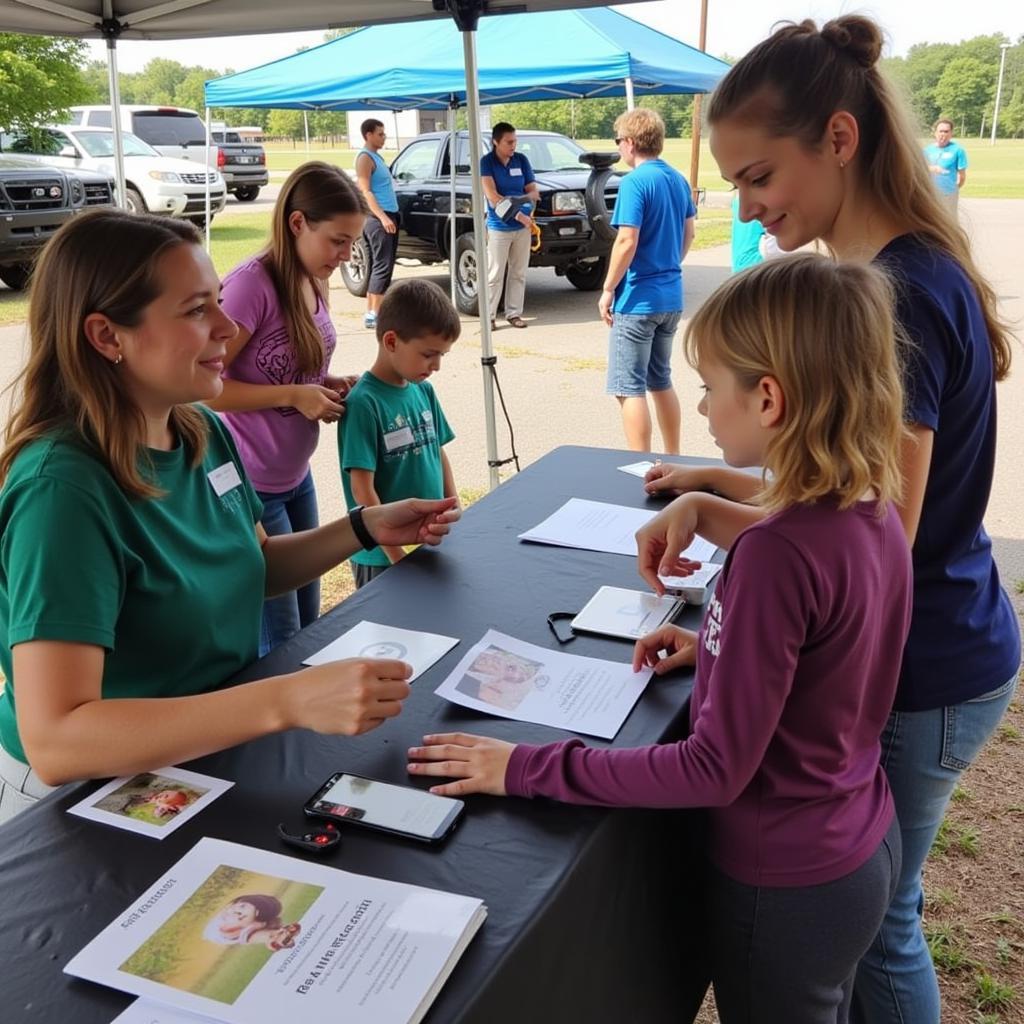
345 697
343 385
316 402
413 521
477 763
661 541
680 646
673 479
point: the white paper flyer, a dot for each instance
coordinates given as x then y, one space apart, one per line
251 937
600 526
504 676
151 803
372 640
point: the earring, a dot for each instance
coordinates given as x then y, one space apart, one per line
119 359
842 164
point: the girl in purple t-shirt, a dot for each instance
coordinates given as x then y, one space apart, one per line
277 389
798 657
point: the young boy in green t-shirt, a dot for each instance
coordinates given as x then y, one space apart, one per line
391 437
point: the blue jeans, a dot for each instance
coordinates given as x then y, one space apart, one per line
640 353
289 512
924 753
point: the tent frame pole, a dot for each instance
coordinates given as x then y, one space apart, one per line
206 170
630 100
488 360
453 107
111 30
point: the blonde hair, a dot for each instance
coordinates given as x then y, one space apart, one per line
103 261
645 127
824 331
319 191
794 81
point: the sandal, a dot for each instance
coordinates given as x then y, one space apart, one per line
516 321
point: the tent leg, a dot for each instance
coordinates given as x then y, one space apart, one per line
206 169
452 108
630 101
115 113
305 129
486 342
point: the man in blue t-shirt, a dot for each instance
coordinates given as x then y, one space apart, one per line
947 161
642 301
381 228
512 193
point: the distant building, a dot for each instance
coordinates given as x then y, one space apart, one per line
403 126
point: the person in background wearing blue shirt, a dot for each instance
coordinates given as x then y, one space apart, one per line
506 174
381 228
746 239
947 160
642 301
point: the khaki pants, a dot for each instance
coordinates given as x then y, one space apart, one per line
20 787
511 249
951 199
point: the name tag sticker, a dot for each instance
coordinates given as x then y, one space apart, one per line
516 172
224 478
401 438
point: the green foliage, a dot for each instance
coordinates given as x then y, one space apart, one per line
593 119
285 124
943 839
969 841
948 948
965 89
39 79
990 994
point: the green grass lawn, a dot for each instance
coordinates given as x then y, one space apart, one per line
995 172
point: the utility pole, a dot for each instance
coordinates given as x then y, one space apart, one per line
695 131
999 88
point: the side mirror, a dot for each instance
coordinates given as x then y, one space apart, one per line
68 150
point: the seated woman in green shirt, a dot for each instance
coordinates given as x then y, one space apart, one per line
132 563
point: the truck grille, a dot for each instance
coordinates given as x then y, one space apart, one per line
35 193
610 195
198 179
98 194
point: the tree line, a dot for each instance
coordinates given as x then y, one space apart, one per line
40 77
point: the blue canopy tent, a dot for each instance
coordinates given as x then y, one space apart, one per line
551 54
547 55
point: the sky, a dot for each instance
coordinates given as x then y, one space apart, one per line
733 27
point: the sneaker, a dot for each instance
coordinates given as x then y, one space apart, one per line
369 320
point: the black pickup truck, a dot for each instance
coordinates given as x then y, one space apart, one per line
577 192
34 202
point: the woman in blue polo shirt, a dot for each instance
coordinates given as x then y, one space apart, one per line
505 173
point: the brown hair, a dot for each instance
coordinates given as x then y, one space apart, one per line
825 332
319 191
413 308
103 261
794 81
371 124
645 127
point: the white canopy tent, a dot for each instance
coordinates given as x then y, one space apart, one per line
181 19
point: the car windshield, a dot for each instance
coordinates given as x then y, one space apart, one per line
548 153
101 144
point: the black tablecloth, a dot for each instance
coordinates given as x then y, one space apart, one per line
592 915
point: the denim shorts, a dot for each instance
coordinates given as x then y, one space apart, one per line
640 353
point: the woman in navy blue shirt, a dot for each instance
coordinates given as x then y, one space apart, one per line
819 147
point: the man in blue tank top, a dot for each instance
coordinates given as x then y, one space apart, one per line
381 230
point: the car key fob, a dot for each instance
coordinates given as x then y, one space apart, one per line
318 839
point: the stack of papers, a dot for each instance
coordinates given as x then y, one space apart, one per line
245 936
627 614
599 526
372 640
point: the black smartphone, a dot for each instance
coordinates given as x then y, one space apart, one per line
400 810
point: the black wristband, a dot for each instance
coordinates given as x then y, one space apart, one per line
363 535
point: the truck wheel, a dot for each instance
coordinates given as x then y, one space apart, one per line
588 277
136 204
597 209
16 276
247 193
467 296
356 272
